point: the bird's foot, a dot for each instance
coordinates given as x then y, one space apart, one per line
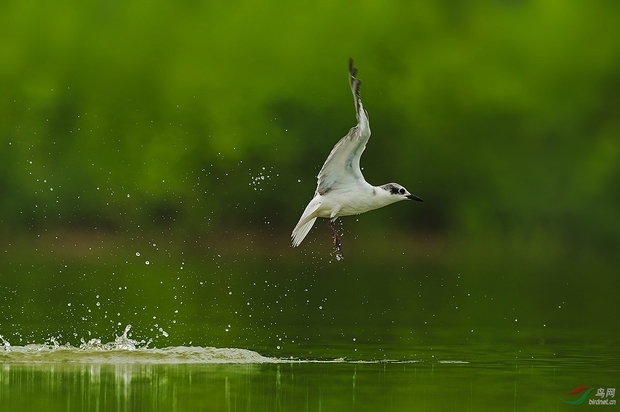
338 247
337 242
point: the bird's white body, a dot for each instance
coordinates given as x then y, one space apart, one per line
342 189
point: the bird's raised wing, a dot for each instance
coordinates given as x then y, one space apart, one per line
342 166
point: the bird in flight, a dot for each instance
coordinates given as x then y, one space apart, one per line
342 189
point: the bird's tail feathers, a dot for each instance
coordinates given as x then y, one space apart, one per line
305 222
301 230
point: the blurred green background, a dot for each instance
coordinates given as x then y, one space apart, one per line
155 157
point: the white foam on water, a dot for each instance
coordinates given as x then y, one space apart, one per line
124 350
170 355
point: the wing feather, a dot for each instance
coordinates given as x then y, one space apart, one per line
342 166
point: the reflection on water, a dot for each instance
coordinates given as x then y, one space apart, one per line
189 379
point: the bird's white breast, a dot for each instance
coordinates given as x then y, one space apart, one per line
352 201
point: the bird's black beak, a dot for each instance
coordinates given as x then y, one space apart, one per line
414 197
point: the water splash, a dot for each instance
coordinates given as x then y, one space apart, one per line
123 350
337 254
263 175
123 342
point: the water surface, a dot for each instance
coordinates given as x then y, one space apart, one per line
119 377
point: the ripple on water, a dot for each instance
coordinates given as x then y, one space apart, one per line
125 350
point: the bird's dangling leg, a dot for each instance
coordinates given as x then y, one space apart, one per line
337 242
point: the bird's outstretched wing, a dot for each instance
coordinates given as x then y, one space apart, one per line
342 166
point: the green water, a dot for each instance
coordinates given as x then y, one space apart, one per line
290 331
145 380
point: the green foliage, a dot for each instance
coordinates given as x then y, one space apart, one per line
504 118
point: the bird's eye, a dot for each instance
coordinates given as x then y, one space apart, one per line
402 191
